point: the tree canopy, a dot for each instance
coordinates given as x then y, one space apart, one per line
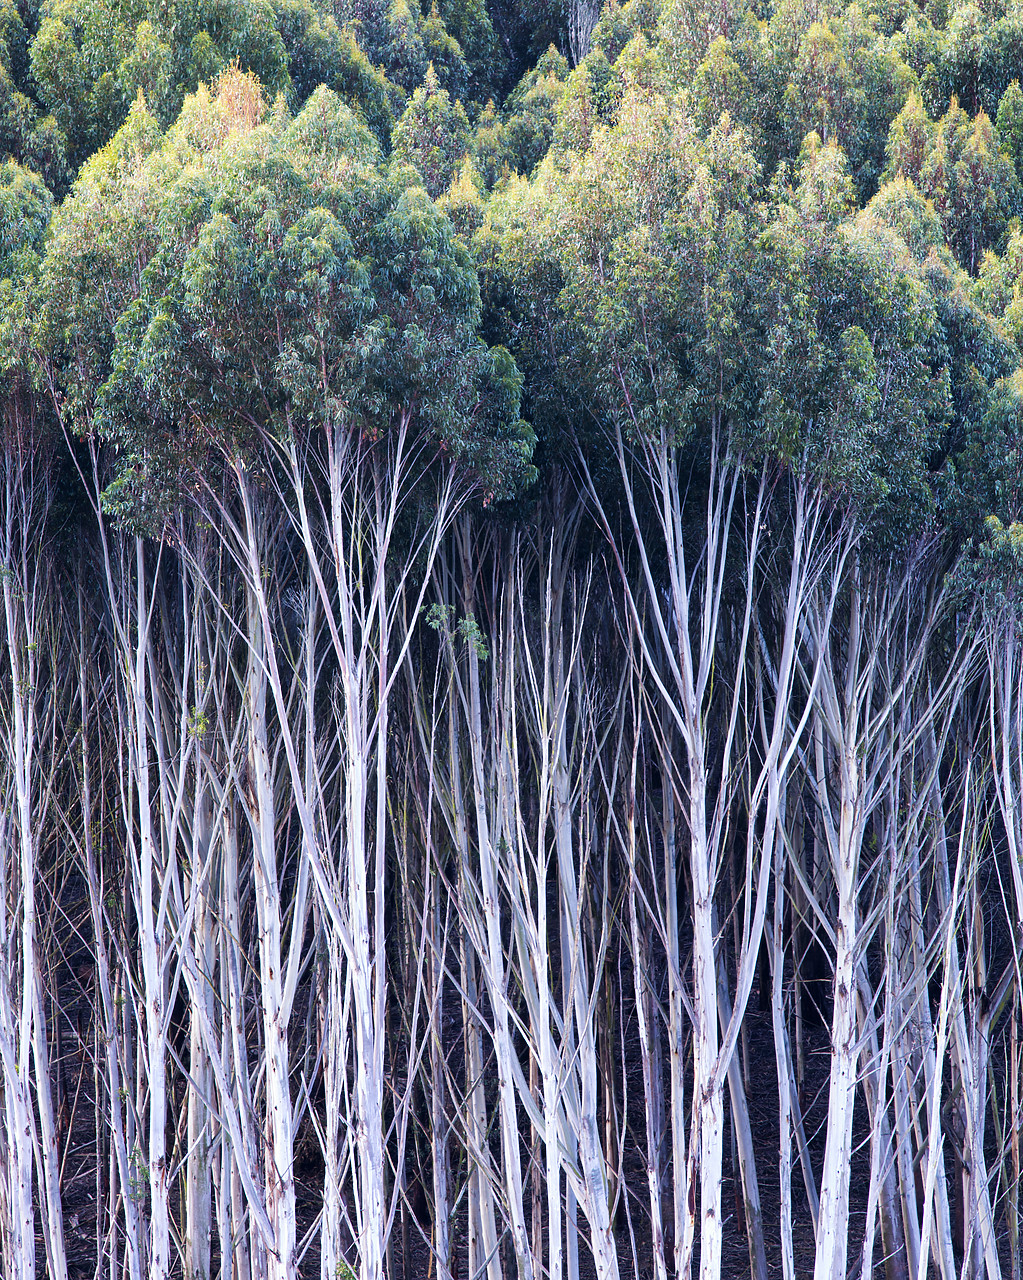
511 589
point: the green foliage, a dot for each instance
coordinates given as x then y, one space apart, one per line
681 302
432 135
469 23
620 23
576 112
26 133
456 37
1009 124
532 113
463 203
800 222
900 206
720 85
981 53
440 617
825 191
322 53
516 139
279 280
996 573
1003 447
90 58
909 139
488 146
25 208
330 133
847 84
997 289
848 383
958 165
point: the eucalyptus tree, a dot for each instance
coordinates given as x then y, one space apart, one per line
866 411
482 725
360 749
647 219
719 346
532 738
33 716
651 226
296 361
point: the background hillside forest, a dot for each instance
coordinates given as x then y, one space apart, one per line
511 647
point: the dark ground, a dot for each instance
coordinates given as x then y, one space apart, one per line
76 1092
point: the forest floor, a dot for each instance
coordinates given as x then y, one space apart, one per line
84 1178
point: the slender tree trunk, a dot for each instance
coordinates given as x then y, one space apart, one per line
279 1131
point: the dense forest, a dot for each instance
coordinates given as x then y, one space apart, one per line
511 648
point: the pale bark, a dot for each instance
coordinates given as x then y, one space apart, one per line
30 713
260 806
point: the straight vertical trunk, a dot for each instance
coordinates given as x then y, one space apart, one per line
279 1134
833 1229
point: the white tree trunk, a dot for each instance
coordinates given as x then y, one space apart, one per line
279 1130
833 1228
